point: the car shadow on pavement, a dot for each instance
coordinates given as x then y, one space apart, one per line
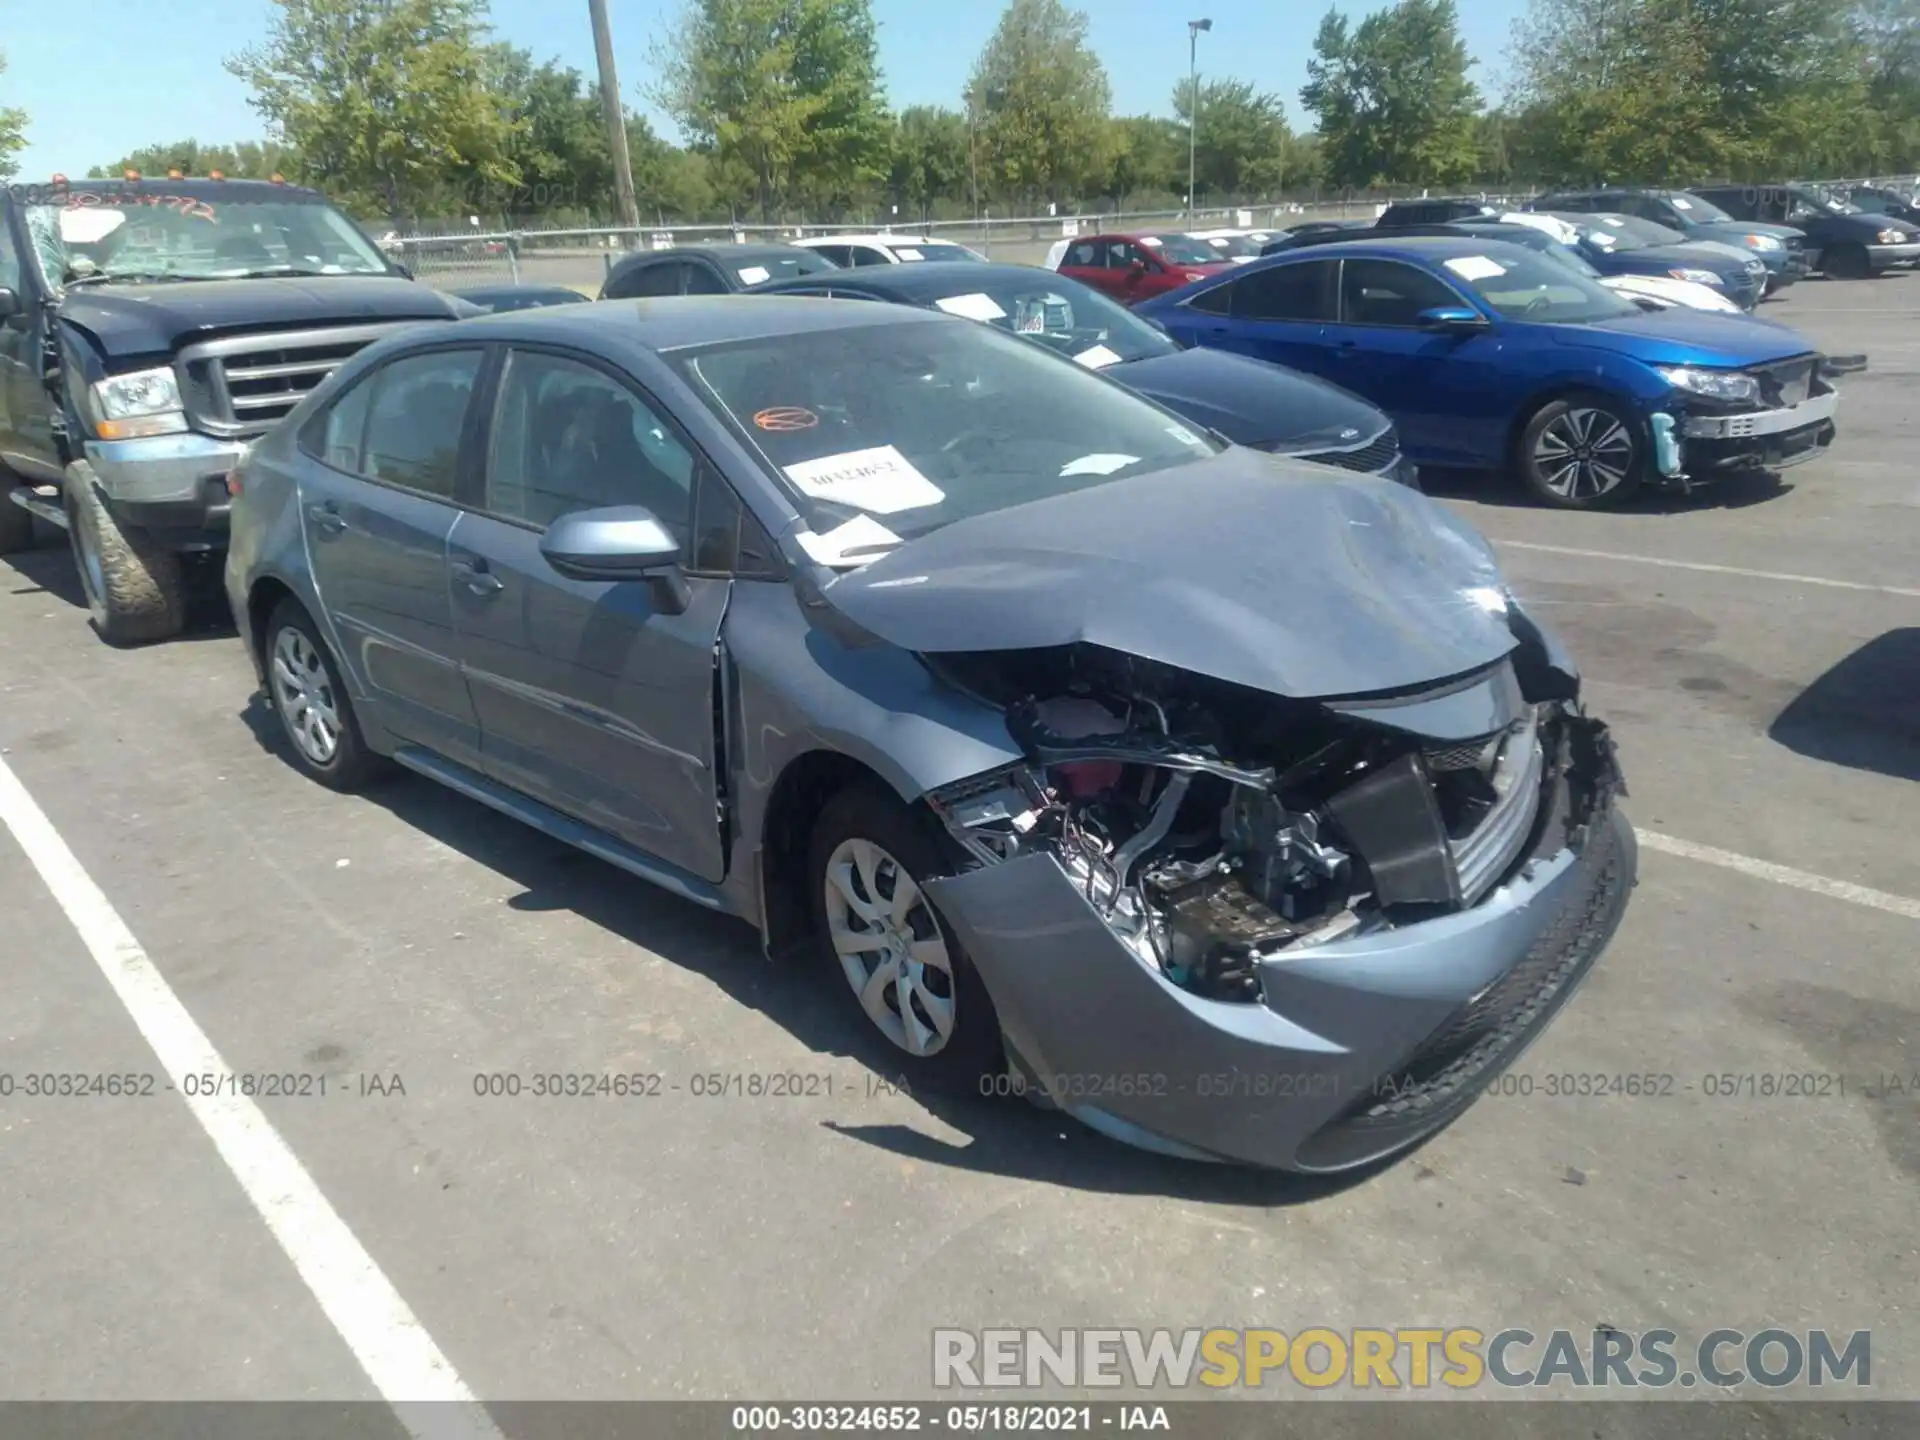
1864 713
1736 491
1003 1136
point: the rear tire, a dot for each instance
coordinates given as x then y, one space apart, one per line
315 712
16 525
1847 262
912 983
134 588
1583 452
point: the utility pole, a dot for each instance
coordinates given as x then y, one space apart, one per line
616 117
1194 27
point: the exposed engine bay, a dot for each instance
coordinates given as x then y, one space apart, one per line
1212 825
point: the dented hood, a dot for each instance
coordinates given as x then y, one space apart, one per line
1247 567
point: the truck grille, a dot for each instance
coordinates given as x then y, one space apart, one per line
1374 456
243 385
1787 383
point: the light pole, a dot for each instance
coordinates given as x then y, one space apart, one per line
1194 27
613 113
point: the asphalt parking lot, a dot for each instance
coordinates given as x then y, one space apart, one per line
1756 647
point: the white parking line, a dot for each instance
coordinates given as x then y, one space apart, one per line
1782 874
1711 569
397 1354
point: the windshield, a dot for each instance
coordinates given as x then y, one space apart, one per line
1703 211
1228 246
1521 285
1827 202
753 269
1630 232
889 431
1181 249
939 251
119 234
1062 315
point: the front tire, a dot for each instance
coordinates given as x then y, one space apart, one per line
893 956
315 711
135 590
1582 452
1847 262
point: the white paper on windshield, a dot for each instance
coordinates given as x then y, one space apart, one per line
1183 435
859 533
1098 464
1151 241
1614 220
1097 357
975 306
908 254
753 274
1475 267
1680 202
880 480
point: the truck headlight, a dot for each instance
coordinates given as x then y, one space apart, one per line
1698 277
142 402
1763 242
1714 384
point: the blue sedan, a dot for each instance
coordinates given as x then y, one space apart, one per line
1491 356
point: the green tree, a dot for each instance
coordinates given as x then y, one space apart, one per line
246 160
1148 159
13 131
786 92
1392 96
930 159
1039 102
1241 143
383 99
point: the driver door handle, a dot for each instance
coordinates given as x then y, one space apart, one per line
477 578
326 519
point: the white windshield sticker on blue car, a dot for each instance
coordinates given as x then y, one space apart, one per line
976 306
1475 267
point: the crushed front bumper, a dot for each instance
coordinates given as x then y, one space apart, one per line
173 486
1765 439
1363 1045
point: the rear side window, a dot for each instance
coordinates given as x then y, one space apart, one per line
701 280
867 255
838 254
1302 292
343 430
1082 254
415 418
647 280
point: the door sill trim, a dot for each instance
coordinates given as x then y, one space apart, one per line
565 828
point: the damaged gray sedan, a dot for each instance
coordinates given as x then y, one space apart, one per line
1228 803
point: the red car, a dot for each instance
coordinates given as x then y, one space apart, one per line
1134 267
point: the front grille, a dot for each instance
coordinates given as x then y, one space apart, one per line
1787 383
244 384
1482 857
1374 456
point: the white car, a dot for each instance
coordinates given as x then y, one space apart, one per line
1660 289
1239 246
848 250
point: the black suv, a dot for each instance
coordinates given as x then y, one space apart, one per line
149 331
1784 250
1853 243
1440 211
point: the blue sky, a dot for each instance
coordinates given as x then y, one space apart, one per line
102 77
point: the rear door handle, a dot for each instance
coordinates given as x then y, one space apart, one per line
326 519
476 577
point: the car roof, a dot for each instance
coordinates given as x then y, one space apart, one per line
674 322
196 187
810 241
497 292
1399 247
925 281
715 252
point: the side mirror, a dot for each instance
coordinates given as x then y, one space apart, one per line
620 542
1452 319
10 305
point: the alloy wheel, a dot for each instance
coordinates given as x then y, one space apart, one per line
890 946
1583 453
303 693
